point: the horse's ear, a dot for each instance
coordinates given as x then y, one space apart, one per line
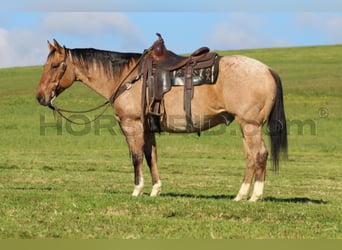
58 47
50 46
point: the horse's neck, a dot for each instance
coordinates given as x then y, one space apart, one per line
93 78
103 71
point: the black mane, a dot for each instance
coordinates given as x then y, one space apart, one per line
111 62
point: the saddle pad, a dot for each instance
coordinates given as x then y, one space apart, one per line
199 76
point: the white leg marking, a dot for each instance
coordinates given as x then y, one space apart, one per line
243 193
258 191
138 189
156 189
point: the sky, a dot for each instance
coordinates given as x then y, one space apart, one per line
130 25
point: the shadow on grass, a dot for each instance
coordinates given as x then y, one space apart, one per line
200 196
32 188
302 200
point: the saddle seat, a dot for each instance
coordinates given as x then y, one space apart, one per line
168 60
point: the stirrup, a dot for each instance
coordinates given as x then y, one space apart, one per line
154 108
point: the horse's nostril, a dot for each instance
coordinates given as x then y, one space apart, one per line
41 99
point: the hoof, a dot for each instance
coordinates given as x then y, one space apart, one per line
255 198
243 192
137 193
240 198
138 190
156 189
258 191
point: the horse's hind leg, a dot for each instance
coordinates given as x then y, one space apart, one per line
260 172
150 150
256 157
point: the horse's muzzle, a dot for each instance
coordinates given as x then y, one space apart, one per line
44 101
41 99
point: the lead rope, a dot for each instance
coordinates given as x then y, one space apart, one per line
60 112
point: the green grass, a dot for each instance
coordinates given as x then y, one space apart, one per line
69 186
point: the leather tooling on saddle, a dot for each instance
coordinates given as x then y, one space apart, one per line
163 69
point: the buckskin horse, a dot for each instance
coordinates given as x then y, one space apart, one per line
246 90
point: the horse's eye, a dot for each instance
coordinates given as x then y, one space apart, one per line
55 66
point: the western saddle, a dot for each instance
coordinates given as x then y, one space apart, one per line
162 69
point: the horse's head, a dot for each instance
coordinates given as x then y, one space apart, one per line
57 75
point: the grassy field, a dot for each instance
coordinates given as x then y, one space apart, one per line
63 181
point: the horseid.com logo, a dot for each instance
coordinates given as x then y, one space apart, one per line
85 125
108 125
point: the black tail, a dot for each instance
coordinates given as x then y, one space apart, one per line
277 125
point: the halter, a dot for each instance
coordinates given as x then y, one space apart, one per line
63 67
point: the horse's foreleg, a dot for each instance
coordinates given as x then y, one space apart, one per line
150 150
256 156
137 159
134 133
